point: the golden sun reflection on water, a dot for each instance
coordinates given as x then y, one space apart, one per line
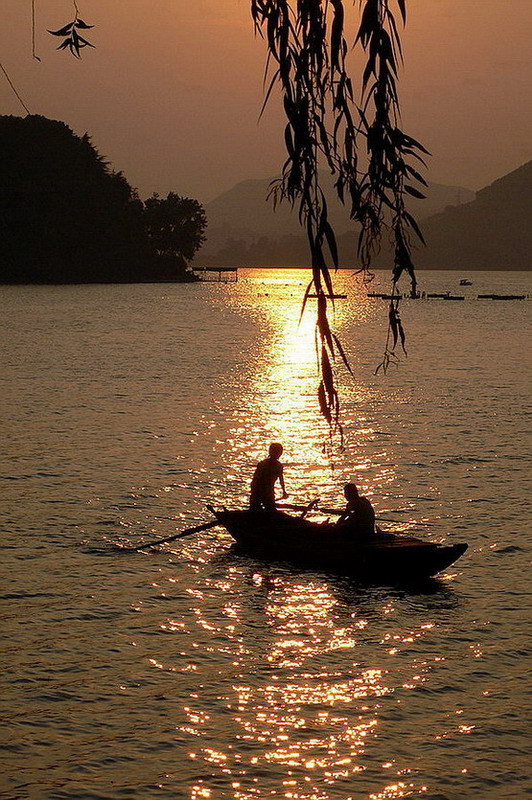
306 703
297 718
282 402
293 678
307 696
299 713
195 672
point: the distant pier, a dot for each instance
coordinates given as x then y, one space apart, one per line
217 274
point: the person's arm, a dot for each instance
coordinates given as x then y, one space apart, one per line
347 514
281 481
308 508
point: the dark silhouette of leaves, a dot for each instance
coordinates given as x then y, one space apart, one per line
361 145
64 31
175 225
80 24
72 40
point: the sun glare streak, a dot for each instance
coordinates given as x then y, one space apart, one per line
283 394
301 694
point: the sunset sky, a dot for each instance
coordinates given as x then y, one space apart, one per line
173 91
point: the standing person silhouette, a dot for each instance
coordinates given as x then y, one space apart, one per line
267 472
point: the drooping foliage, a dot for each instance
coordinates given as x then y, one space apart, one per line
356 134
360 141
70 34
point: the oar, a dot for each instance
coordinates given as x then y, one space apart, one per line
336 511
296 507
186 532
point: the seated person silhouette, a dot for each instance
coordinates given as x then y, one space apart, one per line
267 472
359 515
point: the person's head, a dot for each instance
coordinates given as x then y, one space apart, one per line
275 450
350 492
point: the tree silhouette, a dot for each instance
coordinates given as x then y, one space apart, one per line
67 217
175 225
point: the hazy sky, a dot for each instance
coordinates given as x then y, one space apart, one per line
173 91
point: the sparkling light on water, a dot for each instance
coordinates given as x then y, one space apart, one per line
193 672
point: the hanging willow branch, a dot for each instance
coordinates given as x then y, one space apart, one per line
389 173
70 33
308 49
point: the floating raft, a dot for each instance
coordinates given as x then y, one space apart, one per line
446 296
502 296
217 274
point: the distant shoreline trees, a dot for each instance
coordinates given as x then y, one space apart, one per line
67 217
175 226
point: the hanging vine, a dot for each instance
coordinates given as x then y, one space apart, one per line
308 49
33 38
70 33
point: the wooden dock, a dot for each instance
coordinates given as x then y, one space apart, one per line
217 274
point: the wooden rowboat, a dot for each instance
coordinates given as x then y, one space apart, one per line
388 558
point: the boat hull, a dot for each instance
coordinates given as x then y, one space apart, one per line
388 558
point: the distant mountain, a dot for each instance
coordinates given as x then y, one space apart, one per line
243 217
489 230
492 232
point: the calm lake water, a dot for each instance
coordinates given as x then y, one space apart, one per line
194 673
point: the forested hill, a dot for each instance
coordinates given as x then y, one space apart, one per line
66 216
492 232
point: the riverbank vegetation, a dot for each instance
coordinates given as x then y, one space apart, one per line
67 217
